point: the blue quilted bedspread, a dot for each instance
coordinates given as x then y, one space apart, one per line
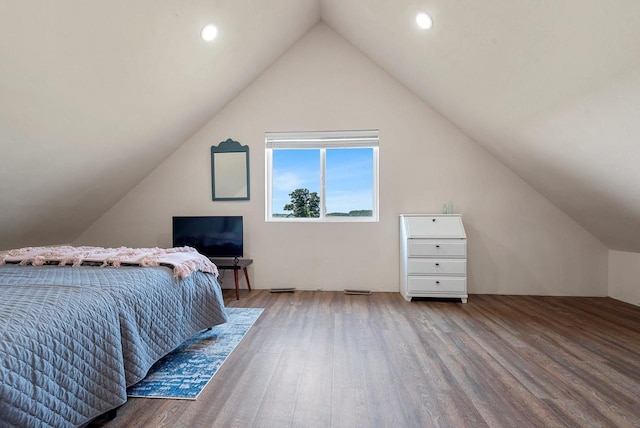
73 338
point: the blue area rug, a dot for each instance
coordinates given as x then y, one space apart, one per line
185 372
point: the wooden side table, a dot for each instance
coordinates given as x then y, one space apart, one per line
235 264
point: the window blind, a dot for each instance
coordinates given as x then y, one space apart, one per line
321 139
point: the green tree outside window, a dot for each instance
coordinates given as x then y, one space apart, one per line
303 204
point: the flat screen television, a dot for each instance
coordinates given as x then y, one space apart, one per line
213 236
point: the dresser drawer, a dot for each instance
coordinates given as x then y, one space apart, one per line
422 266
434 226
429 284
435 248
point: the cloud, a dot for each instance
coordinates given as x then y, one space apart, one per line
345 201
287 181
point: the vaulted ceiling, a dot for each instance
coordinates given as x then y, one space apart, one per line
94 95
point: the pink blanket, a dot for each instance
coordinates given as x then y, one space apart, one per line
185 260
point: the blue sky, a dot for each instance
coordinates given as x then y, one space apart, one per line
349 175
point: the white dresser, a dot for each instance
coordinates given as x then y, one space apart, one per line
433 256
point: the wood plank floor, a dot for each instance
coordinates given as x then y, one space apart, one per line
325 359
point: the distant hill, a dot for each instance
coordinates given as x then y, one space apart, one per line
354 213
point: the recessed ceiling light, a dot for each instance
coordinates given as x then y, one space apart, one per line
424 20
209 32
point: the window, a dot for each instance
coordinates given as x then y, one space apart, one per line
322 176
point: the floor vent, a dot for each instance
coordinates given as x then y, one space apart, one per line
282 290
359 292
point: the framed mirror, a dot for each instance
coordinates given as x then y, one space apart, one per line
230 171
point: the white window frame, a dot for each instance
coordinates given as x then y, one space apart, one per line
321 140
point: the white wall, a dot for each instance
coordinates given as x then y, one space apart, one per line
519 243
624 276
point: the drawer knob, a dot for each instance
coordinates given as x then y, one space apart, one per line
437 246
437 264
433 219
437 282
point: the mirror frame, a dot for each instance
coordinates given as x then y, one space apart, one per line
229 146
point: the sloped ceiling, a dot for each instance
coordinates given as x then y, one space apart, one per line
94 95
550 88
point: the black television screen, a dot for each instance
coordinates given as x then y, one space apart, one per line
213 236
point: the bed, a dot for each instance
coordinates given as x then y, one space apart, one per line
73 338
